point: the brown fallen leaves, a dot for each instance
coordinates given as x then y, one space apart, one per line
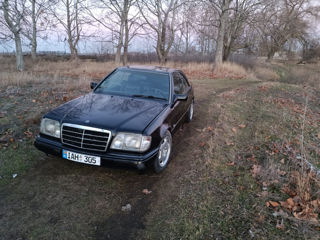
231 163
282 173
286 189
272 203
263 88
255 170
229 143
28 133
146 191
280 225
301 210
308 211
210 129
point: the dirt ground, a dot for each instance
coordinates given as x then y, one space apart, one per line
208 191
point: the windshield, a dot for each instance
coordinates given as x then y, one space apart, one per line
136 84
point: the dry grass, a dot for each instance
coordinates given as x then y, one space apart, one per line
230 70
301 74
100 69
88 70
265 73
68 75
15 78
75 68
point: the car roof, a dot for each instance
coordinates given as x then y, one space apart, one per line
150 68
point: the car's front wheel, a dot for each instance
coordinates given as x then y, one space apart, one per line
163 157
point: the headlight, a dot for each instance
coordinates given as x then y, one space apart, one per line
131 142
50 127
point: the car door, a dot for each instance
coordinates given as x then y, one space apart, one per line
187 90
180 107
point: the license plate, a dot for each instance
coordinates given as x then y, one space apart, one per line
82 158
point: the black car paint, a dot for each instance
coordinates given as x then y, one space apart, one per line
151 117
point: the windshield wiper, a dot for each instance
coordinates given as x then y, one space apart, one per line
146 96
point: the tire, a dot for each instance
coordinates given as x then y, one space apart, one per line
190 113
161 161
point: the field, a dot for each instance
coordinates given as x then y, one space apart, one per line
247 167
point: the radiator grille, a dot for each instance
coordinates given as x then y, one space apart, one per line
84 137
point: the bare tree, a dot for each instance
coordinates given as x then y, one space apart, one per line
282 20
205 25
122 24
35 21
161 17
222 7
70 15
241 14
13 12
186 29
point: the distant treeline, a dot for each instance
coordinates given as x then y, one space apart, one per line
248 61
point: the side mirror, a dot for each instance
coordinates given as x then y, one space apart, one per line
178 97
93 85
181 97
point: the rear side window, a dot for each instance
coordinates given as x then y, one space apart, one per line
180 83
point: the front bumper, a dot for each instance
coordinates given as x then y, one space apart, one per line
55 148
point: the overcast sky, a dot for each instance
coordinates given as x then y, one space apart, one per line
56 42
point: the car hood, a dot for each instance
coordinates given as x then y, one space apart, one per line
115 113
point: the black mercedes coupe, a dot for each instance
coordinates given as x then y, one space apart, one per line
129 117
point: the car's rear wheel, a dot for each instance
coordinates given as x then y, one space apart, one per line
190 113
163 156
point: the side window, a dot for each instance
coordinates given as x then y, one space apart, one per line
184 82
178 84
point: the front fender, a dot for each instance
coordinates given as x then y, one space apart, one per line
163 129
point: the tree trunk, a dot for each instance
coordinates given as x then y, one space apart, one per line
126 44
19 54
163 60
221 32
126 32
226 53
227 48
73 50
118 54
271 55
72 45
15 29
161 53
120 43
34 49
187 39
34 32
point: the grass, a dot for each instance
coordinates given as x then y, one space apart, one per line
230 70
266 73
210 189
66 74
225 199
15 161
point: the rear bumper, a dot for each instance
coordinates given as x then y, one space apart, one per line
55 148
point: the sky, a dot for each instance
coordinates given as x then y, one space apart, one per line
55 42
138 44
